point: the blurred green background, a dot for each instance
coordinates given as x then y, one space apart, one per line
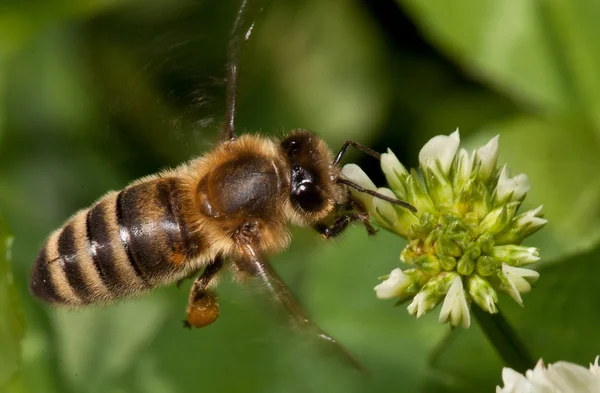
96 93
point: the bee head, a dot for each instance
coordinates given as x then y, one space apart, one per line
312 191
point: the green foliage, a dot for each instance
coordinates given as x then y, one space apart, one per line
12 324
95 94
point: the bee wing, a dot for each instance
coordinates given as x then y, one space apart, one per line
259 267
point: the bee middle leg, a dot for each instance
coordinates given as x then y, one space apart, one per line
203 308
341 223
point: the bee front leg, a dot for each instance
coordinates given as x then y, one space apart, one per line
203 309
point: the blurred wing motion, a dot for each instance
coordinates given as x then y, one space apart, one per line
259 267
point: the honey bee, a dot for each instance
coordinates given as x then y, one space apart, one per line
231 206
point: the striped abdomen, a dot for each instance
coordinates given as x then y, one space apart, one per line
127 243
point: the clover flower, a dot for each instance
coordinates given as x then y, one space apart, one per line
556 378
464 241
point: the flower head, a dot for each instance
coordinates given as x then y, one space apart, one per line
464 241
557 377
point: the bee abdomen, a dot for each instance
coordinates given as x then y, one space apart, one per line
127 243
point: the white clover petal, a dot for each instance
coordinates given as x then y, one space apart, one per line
455 307
440 150
421 303
464 165
570 377
558 377
519 280
487 157
515 187
531 218
395 173
514 382
355 174
595 368
394 286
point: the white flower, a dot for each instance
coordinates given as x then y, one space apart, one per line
519 281
486 158
513 188
395 173
455 307
355 174
439 151
464 239
560 377
421 303
394 286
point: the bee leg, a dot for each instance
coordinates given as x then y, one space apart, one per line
357 146
259 267
342 222
181 280
203 309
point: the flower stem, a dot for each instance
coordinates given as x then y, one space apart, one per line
505 339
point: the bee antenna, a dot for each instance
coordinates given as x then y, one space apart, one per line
394 201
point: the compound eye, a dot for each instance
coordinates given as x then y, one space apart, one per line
308 197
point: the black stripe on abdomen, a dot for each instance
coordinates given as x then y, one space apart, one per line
180 239
142 233
41 284
99 240
67 254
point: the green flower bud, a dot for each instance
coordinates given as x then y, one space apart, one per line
480 200
428 263
465 265
482 293
486 266
485 242
498 218
438 186
515 255
447 263
416 194
446 246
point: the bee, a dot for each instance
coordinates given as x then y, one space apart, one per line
229 207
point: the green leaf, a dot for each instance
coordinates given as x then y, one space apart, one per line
12 323
540 52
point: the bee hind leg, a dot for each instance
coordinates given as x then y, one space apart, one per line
203 308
